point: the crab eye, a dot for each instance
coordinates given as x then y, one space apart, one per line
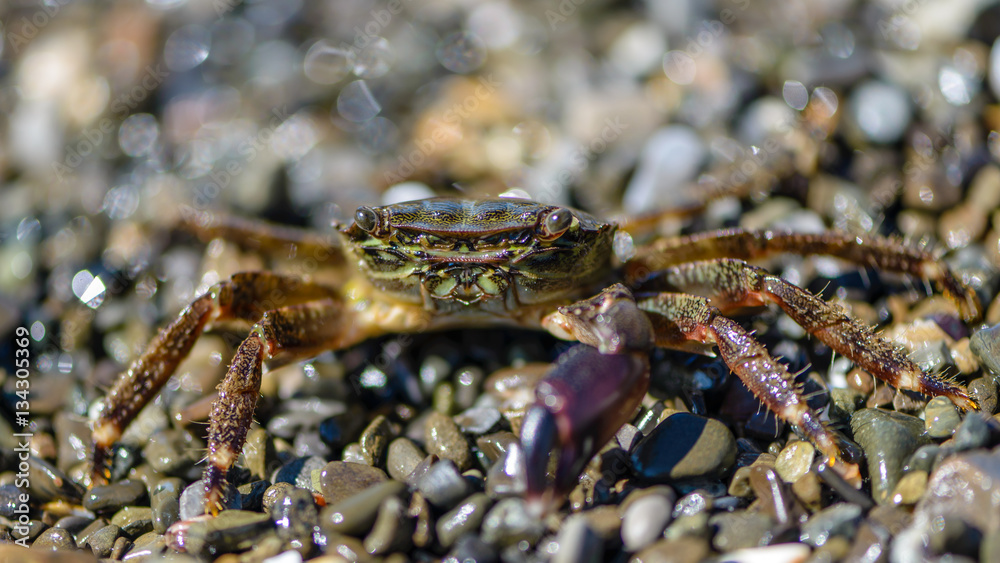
555 223
366 218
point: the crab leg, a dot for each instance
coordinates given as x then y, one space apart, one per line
871 250
734 284
258 235
244 296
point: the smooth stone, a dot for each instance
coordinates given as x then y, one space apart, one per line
781 553
739 530
299 471
374 440
111 498
352 453
684 446
941 417
965 486
146 545
134 520
495 445
840 519
976 431
103 541
295 516
402 458
355 515
54 539
882 110
174 452
985 344
10 500
192 500
472 549
74 523
578 542
445 440
463 519
605 521
922 459
442 485
689 526
83 535
252 495
646 517
231 530
478 420
888 439
258 453
274 493
166 509
984 391
672 157
509 522
774 495
393 528
681 550
423 533
795 460
910 488
508 476
340 480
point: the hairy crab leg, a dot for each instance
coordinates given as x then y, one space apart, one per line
734 283
244 296
869 250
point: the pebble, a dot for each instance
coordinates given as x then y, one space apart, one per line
469 549
681 550
83 535
888 439
840 519
420 509
54 539
166 509
103 541
783 553
340 479
10 496
773 494
442 485
684 446
274 493
111 498
646 514
671 158
463 519
231 530
258 453
478 420
941 417
252 495
374 441
393 528
985 344
356 514
299 471
577 542
508 477
174 452
192 500
295 516
402 458
976 431
740 530
495 445
984 391
444 439
134 520
795 460
882 110
509 523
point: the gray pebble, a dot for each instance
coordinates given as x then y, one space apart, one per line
442 485
356 514
984 391
683 550
496 444
83 535
134 520
508 477
403 458
463 519
299 471
10 499
166 509
471 549
444 439
103 541
478 420
393 528
146 545
74 523
882 110
374 441
976 431
339 480
837 520
509 523
922 459
628 436
274 493
578 542
888 439
295 515
646 516
740 530
231 530
192 500
111 498
54 539
985 344
174 452
941 417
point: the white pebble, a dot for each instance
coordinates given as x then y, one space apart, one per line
644 521
671 159
781 553
406 191
577 542
881 110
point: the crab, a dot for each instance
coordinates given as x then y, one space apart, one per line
455 263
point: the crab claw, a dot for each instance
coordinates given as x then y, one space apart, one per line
580 405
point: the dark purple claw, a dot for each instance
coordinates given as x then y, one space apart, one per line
580 404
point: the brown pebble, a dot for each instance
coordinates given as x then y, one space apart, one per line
341 479
445 440
375 440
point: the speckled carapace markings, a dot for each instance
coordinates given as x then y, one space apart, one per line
445 263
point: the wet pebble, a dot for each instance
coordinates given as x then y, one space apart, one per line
166 509
444 439
684 446
295 515
682 550
231 530
463 519
174 452
134 520
782 553
740 530
478 420
443 485
374 441
508 477
773 493
340 480
103 541
299 471
985 344
984 391
495 445
840 519
11 497
888 439
471 549
941 417
402 458
392 530
646 514
111 498
274 493
355 515
976 431
54 539
509 523
795 460
910 488
192 500
577 541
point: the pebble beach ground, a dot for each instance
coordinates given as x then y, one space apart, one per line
119 121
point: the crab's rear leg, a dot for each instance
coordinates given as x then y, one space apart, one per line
734 284
244 296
